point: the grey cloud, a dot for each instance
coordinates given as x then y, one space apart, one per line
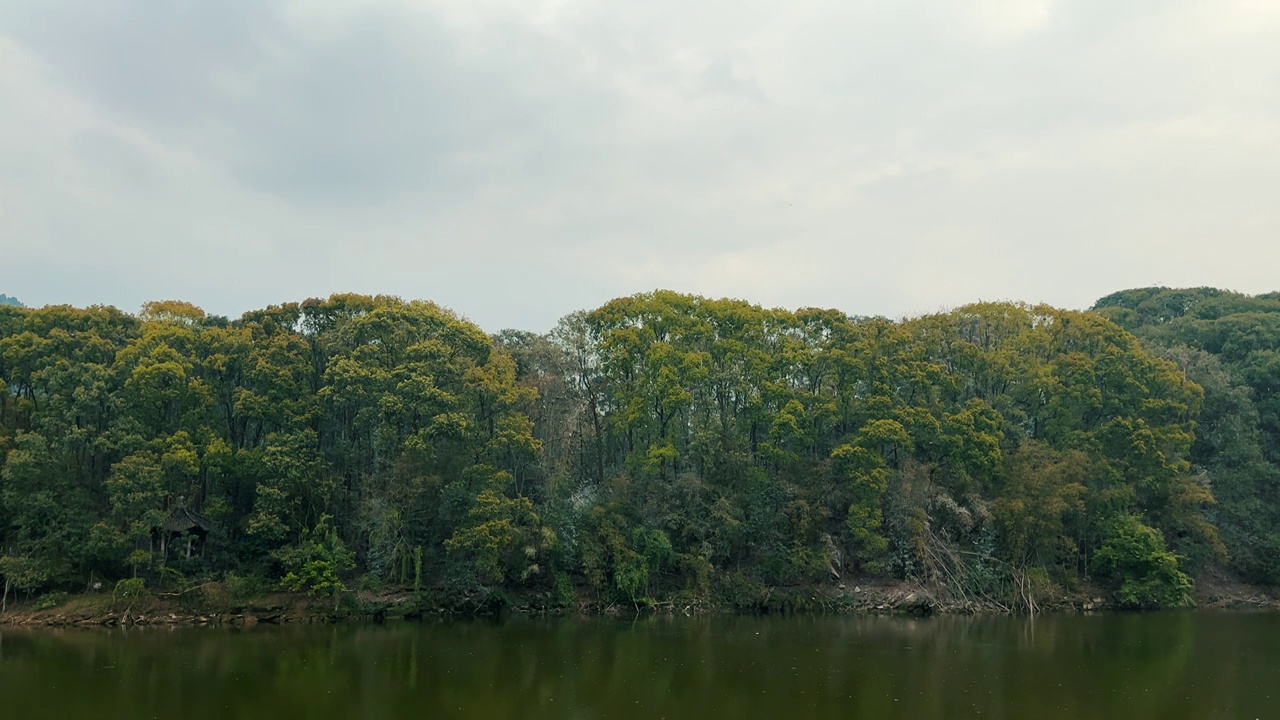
519 160
389 103
153 63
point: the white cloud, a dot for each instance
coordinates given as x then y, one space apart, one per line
1003 20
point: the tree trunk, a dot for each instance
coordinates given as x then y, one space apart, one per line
4 602
599 432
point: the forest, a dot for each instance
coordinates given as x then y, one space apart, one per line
660 446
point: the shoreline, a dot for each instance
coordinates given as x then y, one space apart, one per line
90 610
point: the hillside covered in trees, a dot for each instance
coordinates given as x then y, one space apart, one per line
660 446
1229 345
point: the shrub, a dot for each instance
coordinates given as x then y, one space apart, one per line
51 600
564 589
129 589
23 572
317 562
1147 574
243 587
741 592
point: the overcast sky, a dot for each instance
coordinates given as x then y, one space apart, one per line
520 159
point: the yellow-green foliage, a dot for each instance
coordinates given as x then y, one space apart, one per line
659 444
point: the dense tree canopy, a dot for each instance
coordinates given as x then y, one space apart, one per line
299 431
660 445
1229 344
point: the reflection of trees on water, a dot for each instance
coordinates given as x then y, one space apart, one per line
1168 666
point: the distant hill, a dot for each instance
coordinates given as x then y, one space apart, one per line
6 300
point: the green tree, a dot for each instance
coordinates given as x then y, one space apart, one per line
317 562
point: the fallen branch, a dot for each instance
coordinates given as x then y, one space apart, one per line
190 589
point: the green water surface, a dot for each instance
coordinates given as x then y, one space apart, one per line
1195 665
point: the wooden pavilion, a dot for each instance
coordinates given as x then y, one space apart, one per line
184 525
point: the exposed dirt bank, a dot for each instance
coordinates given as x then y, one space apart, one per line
210 605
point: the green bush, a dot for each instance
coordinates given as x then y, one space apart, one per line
23 572
1147 574
129 589
172 579
741 592
698 571
315 564
564 589
51 600
243 587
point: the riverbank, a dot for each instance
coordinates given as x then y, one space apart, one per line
211 604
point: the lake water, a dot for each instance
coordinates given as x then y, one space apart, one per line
1194 665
